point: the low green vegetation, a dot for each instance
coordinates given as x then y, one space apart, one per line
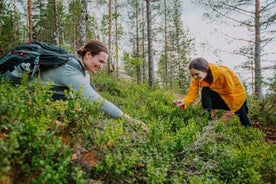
42 141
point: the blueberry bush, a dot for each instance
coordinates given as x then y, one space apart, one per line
45 141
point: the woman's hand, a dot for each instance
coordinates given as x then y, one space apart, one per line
179 103
136 122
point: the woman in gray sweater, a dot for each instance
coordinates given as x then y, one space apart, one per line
92 58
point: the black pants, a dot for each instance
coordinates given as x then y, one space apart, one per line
211 100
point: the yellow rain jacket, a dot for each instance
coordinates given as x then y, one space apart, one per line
225 83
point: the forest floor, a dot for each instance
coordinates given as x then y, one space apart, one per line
268 129
89 159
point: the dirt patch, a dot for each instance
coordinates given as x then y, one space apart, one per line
268 129
88 159
227 115
3 136
85 158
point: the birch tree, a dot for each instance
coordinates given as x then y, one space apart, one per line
56 32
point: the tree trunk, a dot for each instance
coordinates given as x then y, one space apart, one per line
150 57
116 41
138 67
109 37
165 82
258 78
15 21
56 32
30 16
83 23
143 44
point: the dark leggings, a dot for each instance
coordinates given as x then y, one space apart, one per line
211 100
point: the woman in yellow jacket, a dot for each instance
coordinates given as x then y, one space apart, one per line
221 89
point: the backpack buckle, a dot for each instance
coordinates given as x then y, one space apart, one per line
36 66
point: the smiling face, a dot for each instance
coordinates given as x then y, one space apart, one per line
94 63
197 74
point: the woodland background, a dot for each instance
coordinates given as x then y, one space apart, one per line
42 141
147 39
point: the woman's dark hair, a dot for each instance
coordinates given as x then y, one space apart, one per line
202 65
199 64
93 46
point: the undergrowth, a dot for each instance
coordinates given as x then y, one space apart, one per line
42 141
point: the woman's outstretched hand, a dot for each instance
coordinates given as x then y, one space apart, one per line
179 103
136 122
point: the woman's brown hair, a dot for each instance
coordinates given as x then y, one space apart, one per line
202 65
93 46
199 64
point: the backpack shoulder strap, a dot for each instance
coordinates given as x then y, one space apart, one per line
76 65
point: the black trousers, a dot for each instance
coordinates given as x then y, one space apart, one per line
212 100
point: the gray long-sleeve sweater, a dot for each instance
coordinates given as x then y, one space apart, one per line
71 75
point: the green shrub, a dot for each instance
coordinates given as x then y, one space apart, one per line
39 138
264 110
31 149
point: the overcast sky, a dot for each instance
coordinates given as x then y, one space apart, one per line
204 32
